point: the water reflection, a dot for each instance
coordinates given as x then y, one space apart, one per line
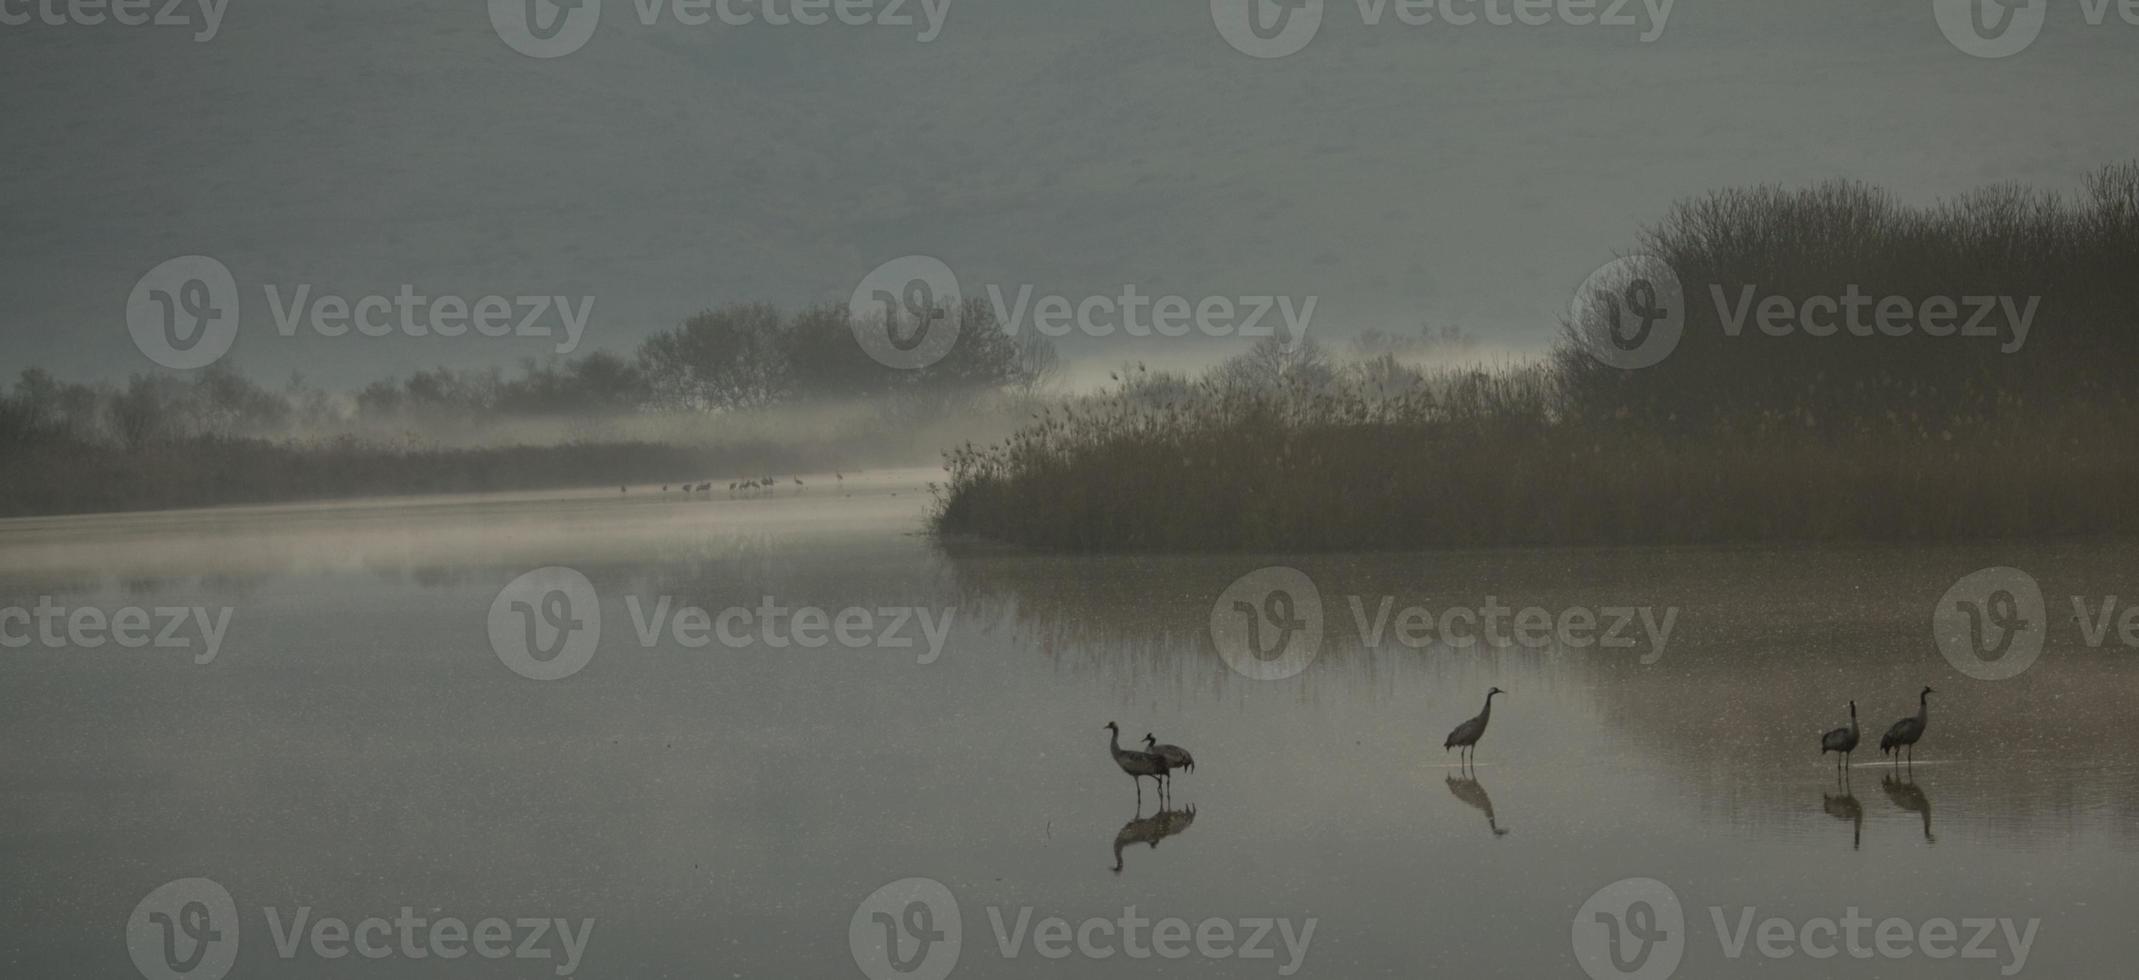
1470 791
1904 792
358 645
1846 807
1151 830
1824 627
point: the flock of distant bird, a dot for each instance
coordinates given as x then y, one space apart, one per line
735 487
1160 762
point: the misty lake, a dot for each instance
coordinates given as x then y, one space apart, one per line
711 794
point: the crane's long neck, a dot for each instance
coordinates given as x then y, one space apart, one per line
1488 712
1923 708
1853 719
1114 741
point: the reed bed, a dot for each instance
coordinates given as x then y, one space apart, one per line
1745 436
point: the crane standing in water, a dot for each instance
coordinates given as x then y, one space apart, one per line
1176 757
1842 741
1136 764
1466 735
1905 732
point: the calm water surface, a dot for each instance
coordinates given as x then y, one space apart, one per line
357 746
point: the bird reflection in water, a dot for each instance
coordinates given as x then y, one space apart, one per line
1905 794
1846 807
1151 830
1467 789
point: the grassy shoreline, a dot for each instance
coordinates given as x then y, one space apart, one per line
1263 480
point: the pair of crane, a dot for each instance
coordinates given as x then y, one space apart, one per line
1902 736
1156 761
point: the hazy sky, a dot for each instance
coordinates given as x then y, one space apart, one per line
1396 173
